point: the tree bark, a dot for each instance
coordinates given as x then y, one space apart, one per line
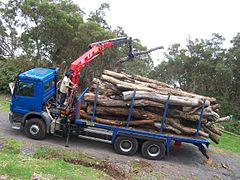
167 127
115 96
105 101
185 130
212 135
154 84
144 79
120 111
115 122
174 100
211 127
127 86
223 119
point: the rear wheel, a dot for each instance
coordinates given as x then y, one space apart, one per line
126 145
35 128
153 150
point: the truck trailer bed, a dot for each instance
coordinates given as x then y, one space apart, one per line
110 132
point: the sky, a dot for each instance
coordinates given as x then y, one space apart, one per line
164 22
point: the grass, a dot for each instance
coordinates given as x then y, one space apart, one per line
46 163
23 167
229 142
11 146
46 152
4 103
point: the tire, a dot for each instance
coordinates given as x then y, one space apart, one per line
125 145
153 150
35 128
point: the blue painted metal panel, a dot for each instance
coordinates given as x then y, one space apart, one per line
131 109
201 116
38 76
41 74
81 99
144 133
48 93
23 104
95 104
165 113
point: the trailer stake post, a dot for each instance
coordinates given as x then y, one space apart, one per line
165 113
81 100
95 103
201 117
131 109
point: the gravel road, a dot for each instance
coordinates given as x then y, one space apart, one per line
186 162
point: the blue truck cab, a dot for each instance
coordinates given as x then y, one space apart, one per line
32 90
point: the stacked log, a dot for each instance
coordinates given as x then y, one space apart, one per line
115 93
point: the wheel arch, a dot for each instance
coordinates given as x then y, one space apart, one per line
43 115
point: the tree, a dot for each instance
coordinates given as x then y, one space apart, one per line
54 28
99 16
9 40
53 32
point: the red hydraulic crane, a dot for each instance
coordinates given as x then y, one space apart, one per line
96 49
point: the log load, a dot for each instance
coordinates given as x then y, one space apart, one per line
115 93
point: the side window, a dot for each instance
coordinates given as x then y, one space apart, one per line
46 85
25 89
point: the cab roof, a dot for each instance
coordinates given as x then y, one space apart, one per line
38 74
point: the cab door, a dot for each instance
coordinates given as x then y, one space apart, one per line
24 97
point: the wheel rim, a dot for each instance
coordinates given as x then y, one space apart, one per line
126 145
34 129
153 150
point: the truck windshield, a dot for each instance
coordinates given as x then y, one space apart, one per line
25 89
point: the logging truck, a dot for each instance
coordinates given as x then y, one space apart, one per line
35 108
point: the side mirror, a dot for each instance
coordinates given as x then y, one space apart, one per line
11 86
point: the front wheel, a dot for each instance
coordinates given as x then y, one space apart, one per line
35 128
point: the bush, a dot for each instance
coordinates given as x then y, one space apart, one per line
9 69
232 126
230 108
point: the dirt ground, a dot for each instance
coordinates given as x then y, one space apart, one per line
184 163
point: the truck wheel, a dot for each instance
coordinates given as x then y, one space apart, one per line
126 145
35 128
153 150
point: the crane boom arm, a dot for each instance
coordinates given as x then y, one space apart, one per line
96 49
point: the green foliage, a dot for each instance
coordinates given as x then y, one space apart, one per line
16 166
47 152
54 33
12 146
233 126
54 28
205 67
9 69
47 163
4 104
229 142
9 39
99 14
